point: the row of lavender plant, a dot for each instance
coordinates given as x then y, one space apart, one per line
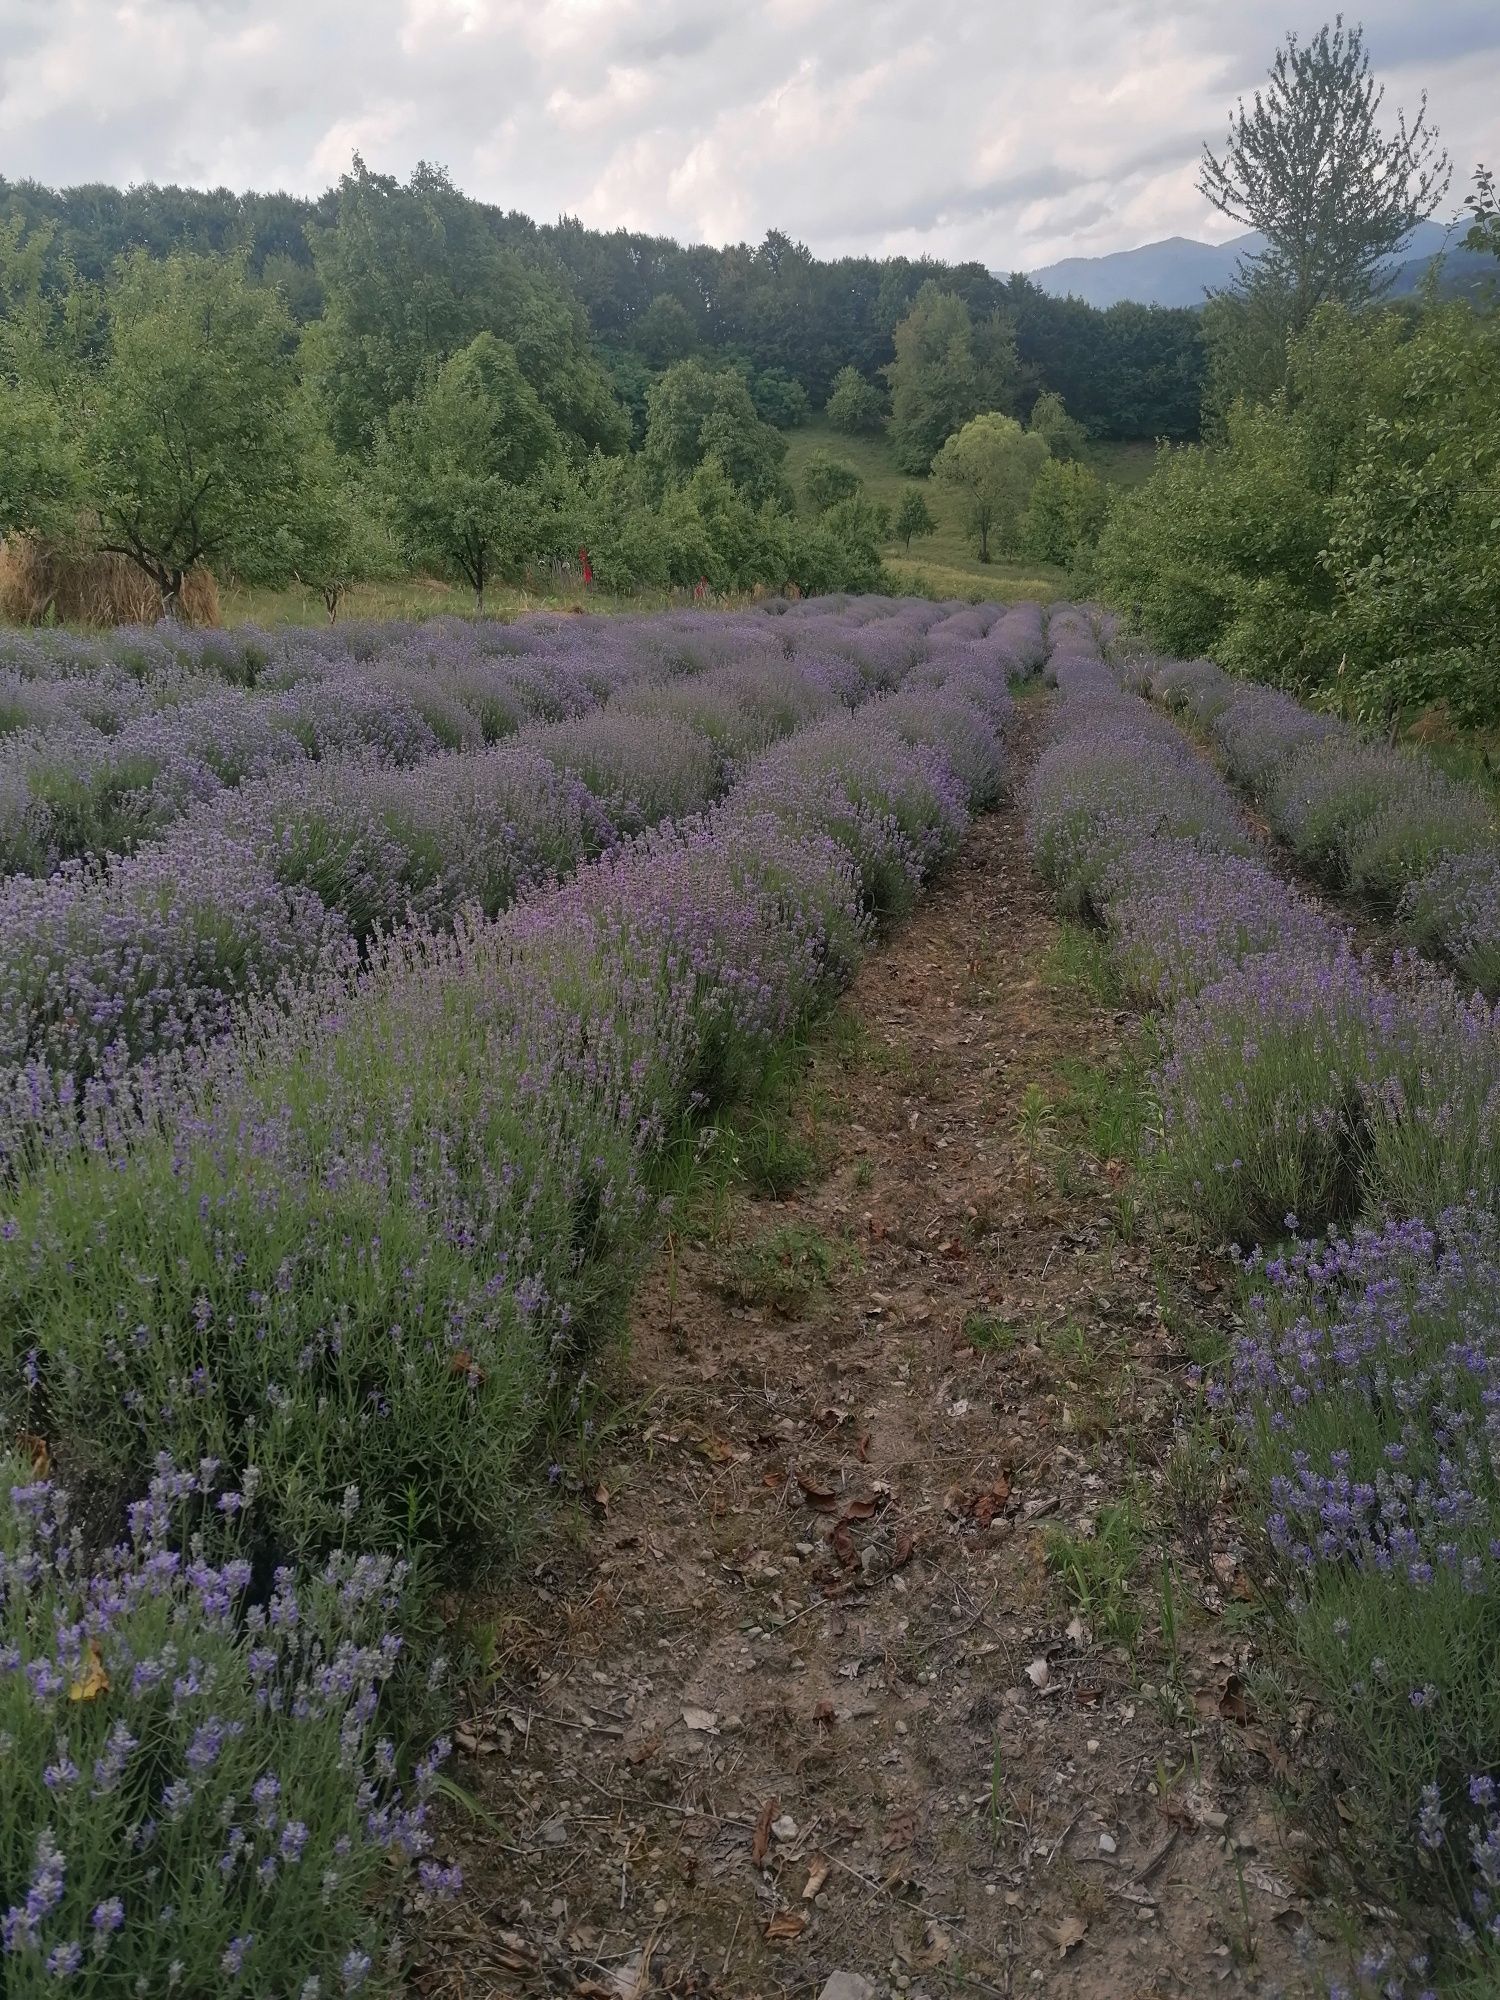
121 738
1379 823
1316 1107
287 874
384 1232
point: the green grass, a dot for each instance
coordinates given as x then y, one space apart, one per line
1121 461
417 597
1098 1572
783 1271
943 563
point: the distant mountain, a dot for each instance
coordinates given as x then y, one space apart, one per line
1179 271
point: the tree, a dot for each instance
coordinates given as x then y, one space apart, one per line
991 464
913 518
1309 167
828 480
336 541
411 274
946 370
1065 436
1065 514
695 413
41 474
779 398
664 332
854 405
1483 204
191 450
458 460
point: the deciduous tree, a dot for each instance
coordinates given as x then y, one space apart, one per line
458 462
1309 166
991 464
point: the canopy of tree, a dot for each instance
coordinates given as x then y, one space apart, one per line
395 267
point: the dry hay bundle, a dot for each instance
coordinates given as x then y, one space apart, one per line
36 580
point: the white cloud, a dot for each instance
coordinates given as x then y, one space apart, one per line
926 126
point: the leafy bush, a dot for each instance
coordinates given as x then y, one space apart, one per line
1065 514
855 406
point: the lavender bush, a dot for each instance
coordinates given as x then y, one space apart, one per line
1453 908
1365 1387
373 1234
196 1795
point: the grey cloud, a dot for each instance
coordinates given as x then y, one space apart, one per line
1008 134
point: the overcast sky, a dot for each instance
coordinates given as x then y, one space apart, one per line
1013 133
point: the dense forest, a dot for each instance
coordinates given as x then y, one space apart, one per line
772 308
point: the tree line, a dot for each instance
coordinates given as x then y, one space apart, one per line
399 376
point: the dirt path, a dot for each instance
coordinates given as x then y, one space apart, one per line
808 1631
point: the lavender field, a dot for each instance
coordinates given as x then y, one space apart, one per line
352 991
356 992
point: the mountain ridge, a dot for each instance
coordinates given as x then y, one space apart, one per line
1181 270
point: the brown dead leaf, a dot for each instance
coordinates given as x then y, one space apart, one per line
823 1715
1235 1704
36 1450
718 1451
645 1750
815 1493
1264 1744
858 1510
936 1947
901 1554
773 1478
600 1498
784 1926
862 1448
842 1543
819 1870
1068 1934
760 1840
900 1831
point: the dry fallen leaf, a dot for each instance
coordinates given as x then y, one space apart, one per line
719 1451
1235 1704
702 1720
900 1831
815 1494
1039 1674
760 1840
901 1554
645 1750
92 1680
784 1927
817 1874
1068 1934
823 1714
36 1450
936 1946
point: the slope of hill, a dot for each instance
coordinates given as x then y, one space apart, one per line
1180 271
